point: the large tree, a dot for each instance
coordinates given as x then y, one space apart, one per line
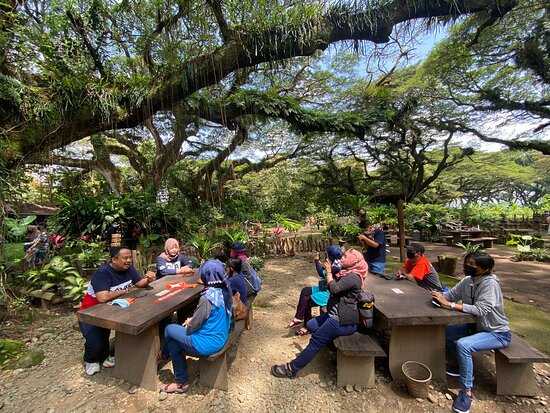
72 70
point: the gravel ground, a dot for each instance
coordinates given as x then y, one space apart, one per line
58 384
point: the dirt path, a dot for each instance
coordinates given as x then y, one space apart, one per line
59 385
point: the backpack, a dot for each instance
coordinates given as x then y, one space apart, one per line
253 280
365 305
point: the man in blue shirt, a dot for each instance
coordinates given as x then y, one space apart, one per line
374 239
110 281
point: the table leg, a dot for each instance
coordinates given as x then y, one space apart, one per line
425 344
136 358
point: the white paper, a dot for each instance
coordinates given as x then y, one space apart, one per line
397 291
163 292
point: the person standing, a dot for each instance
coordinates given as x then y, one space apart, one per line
374 240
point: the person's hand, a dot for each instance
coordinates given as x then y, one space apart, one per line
440 298
151 276
328 266
186 322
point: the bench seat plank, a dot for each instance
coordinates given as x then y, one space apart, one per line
359 345
519 351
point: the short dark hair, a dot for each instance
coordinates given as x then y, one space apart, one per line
482 260
416 247
114 251
235 264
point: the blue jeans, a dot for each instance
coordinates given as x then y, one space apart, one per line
323 329
96 345
377 267
177 344
464 343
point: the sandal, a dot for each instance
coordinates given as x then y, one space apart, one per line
283 371
295 322
177 388
302 332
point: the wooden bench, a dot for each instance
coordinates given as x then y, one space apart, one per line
487 242
213 369
514 368
355 359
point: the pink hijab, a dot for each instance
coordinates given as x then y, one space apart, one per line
353 261
168 245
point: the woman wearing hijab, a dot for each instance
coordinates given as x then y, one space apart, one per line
171 262
342 314
206 332
317 295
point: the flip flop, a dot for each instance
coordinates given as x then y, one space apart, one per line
176 388
302 332
294 323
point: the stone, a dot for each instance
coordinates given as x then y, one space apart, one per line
349 388
133 390
322 385
543 403
163 396
419 399
30 358
1 404
448 396
432 398
358 388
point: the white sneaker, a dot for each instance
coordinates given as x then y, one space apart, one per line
109 362
92 368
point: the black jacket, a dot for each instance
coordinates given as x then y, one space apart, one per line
342 301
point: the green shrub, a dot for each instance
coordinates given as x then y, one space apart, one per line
257 263
535 254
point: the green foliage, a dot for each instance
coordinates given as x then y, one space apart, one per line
428 218
469 248
51 276
74 287
534 254
9 350
524 243
87 254
17 228
256 262
230 235
203 245
286 223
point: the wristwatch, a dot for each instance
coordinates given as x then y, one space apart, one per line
453 305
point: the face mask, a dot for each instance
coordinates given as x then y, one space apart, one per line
410 255
470 270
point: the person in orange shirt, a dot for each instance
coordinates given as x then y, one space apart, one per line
418 268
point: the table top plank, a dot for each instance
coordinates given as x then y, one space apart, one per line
145 311
412 307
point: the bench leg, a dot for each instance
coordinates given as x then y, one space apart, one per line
136 358
213 374
514 379
354 370
425 344
249 318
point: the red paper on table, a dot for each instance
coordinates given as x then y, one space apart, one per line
175 288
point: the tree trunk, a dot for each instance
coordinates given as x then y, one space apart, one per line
401 225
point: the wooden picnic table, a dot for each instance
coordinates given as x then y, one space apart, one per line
137 342
459 234
417 327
